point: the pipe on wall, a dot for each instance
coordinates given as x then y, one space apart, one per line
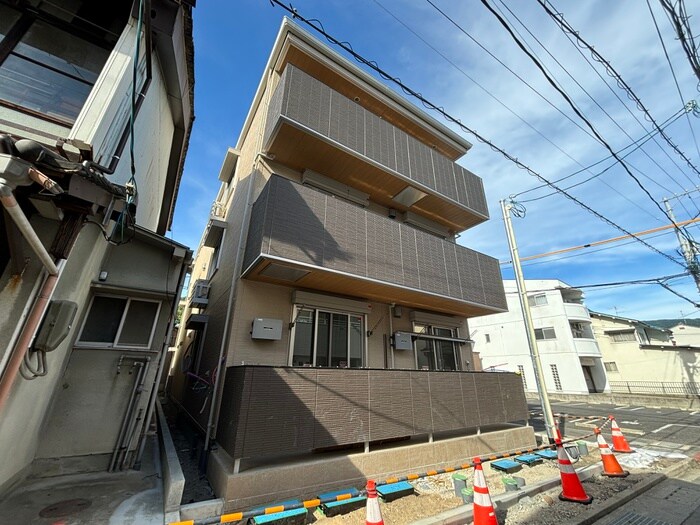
27 334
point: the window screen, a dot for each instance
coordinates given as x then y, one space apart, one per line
138 323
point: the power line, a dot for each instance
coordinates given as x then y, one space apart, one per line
525 82
491 95
573 106
318 27
591 97
634 145
679 21
673 73
567 29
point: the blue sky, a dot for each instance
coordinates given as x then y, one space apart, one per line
233 41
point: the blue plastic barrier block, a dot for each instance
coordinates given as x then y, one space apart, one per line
547 454
286 517
506 465
344 506
528 459
393 491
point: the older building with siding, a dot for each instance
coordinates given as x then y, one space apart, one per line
88 282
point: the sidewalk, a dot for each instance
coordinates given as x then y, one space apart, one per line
114 498
675 501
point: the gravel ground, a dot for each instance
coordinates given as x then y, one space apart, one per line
435 495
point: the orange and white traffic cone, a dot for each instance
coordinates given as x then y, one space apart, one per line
483 511
618 440
572 490
611 467
374 515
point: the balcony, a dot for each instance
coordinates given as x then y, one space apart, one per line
269 411
311 126
299 236
577 311
587 347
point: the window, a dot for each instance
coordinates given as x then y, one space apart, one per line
436 354
622 337
539 299
521 371
115 321
611 366
328 339
51 57
542 334
555 375
488 338
581 330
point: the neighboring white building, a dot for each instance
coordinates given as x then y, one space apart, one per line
571 359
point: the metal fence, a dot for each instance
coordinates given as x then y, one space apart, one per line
656 387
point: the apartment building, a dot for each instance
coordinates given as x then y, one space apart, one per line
641 358
329 299
88 282
571 358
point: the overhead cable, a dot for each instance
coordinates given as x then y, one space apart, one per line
318 27
558 17
673 74
591 97
573 106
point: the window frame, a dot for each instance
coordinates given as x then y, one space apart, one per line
14 37
631 332
542 331
314 351
610 366
114 344
433 343
532 300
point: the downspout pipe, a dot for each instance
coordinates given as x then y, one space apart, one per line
10 204
26 337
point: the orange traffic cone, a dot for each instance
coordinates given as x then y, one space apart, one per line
611 467
572 490
484 513
374 515
619 442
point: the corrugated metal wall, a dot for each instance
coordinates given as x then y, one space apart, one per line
308 101
270 411
301 224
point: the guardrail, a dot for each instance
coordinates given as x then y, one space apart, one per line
656 387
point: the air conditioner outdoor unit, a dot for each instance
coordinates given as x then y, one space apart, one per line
218 210
334 187
201 290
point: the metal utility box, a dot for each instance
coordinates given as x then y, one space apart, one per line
267 329
56 326
403 341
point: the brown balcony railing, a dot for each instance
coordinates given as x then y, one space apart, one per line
309 125
272 411
335 246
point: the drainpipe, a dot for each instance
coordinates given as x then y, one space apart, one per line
216 395
391 334
27 334
8 182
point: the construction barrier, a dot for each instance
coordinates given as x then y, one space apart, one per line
313 503
611 467
619 442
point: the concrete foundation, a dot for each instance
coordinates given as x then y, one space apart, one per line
305 478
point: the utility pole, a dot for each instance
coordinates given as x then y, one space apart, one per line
688 250
529 329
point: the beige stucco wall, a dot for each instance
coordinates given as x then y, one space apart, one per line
686 335
656 362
